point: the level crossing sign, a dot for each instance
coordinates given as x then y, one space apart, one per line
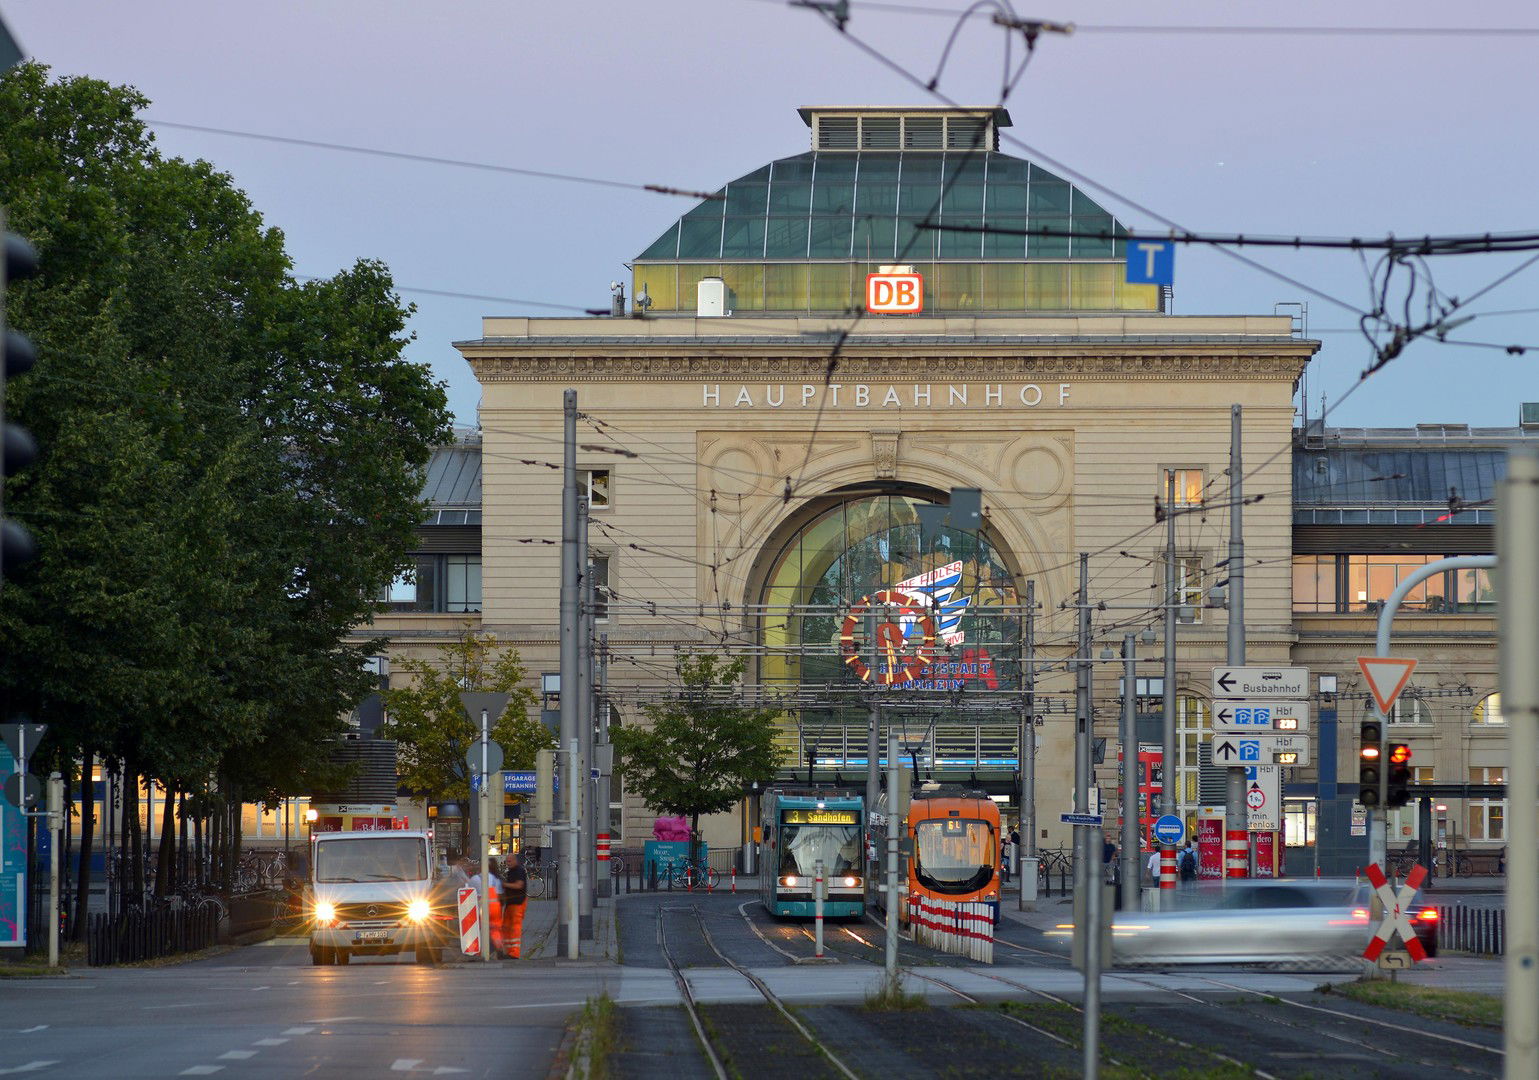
1397 918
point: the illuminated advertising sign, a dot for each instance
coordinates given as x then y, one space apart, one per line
894 294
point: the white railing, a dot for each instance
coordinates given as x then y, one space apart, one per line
962 929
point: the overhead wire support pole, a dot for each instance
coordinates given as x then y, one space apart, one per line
567 914
1128 861
1086 877
1236 824
873 720
587 845
1517 544
1167 863
1028 752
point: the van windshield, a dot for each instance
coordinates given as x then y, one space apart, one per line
375 858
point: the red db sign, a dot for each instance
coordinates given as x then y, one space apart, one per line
894 294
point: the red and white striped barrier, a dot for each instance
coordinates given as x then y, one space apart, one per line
470 923
962 929
1236 853
1168 875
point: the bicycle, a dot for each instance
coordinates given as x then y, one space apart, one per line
692 876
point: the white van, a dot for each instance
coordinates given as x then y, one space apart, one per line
376 894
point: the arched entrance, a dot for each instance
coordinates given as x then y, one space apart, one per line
956 714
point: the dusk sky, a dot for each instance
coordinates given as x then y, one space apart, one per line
1276 133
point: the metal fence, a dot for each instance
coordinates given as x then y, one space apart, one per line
1480 930
146 935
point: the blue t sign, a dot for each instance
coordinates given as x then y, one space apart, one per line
1151 262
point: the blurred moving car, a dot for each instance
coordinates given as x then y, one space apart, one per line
1424 917
1300 923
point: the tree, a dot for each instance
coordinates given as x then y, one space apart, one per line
703 748
433 729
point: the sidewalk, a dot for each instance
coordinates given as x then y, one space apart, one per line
542 942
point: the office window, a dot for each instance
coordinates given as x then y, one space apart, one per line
1189 588
1488 817
1192 730
1299 822
1189 486
462 582
1488 711
597 484
1409 710
1314 583
436 583
598 569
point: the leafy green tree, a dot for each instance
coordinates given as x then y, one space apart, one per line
433 729
231 460
703 747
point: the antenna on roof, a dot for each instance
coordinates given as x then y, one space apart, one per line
617 299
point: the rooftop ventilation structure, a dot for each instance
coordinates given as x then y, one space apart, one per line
864 128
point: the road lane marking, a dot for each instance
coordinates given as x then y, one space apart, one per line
31 1066
188 1005
298 1030
331 1019
543 1005
269 1042
237 1055
405 1064
28 1031
201 1070
254 989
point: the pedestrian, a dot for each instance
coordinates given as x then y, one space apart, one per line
1004 861
1154 867
1187 862
515 890
493 904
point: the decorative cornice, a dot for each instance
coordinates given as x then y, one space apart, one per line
1261 364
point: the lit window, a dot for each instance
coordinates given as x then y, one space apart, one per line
1189 486
1189 588
1488 817
1488 711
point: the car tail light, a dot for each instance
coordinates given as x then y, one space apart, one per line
1360 914
1427 914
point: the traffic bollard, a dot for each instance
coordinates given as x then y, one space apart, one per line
817 907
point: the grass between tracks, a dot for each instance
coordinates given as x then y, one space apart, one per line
1459 1006
596 1029
1123 1041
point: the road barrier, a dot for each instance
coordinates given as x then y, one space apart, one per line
1481 930
962 929
145 935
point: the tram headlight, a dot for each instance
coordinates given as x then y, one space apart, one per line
851 882
789 881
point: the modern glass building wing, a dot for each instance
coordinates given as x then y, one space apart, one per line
924 188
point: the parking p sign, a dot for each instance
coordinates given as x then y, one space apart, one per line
894 294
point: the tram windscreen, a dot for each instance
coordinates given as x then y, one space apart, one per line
802 846
954 855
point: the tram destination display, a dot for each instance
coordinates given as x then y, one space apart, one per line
820 817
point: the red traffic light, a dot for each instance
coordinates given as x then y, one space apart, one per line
1399 754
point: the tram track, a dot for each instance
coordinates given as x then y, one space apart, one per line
753 980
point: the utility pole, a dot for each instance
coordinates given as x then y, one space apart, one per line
895 811
586 842
1086 855
1236 825
1517 527
873 720
1168 750
55 838
1028 752
483 805
1128 870
605 753
568 914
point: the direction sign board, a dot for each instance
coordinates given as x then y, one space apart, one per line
1260 749
1263 798
1244 717
1386 677
1169 829
1261 682
1080 819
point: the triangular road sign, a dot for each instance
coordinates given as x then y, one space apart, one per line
1387 676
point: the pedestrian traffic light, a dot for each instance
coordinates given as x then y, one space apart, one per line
17 448
1370 763
1396 792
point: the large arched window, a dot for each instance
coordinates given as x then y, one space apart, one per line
1488 711
849 550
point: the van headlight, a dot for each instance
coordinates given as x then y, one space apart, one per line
325 911
418 910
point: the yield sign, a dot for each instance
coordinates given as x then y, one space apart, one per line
1397 919
1387 676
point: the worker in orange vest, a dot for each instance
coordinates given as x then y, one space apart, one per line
515 890
493 905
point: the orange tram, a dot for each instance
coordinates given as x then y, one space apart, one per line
954 835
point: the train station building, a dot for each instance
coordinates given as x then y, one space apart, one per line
761 439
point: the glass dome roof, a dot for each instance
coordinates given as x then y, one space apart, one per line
868 205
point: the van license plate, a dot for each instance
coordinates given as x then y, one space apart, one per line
372 935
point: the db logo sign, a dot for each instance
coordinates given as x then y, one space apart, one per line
894 294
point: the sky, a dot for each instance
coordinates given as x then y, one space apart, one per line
1345 134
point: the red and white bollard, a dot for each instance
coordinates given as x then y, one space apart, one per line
817 908
734 881
1168 874
1236 853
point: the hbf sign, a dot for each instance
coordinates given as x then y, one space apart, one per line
894 293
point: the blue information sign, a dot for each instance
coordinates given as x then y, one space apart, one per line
1080 819
1169 829
1151 262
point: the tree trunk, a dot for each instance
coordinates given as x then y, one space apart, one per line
181 838
165 873
694 840
235 838
199 870
87 836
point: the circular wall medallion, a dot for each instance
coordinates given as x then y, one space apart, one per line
903 661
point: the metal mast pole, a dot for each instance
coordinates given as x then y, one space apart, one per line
1028 752
586 843
1168 752
567 915
873 721
1517 527
605 795
1128 869
1236 826
1086 858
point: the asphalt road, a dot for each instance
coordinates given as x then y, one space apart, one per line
264 1011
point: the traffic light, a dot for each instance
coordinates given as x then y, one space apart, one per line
17 448
1399 776
1370 764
